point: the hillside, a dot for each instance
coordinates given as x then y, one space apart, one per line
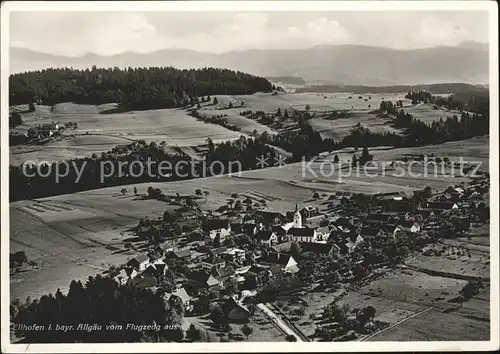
343 64
139 88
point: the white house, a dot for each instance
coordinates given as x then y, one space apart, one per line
140 263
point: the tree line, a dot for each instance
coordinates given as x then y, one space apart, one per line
99 302
133 88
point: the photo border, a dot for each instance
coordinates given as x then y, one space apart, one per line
240 6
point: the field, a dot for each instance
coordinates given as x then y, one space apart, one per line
98 131
70 235
414 303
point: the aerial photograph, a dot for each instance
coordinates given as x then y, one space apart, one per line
248 176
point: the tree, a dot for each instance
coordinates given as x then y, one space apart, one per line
354 160
31 107
216 242
167 216
246 330
135 190
193 333
308 107
315 195
278 113
336 159
15 119
198 106
216 101
291 338
198 192
285 115
294 250
123 191
230 104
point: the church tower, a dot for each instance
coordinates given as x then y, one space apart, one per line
297 218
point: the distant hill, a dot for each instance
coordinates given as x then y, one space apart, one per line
441 88
341 65
290 80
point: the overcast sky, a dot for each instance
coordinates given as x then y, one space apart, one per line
108 33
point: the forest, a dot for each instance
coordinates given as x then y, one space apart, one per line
133 88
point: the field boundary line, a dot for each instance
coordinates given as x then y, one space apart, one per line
396 324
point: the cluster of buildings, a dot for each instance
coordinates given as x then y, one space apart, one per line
252 253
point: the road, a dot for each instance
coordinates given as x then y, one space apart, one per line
279 322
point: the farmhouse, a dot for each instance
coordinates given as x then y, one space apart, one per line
140 262
286 261
203 280
266 237
317 248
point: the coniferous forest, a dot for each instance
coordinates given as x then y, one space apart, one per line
133 88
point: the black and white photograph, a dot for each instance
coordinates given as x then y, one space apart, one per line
249 176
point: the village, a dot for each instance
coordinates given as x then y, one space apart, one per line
243 260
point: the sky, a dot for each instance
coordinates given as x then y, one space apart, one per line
109 33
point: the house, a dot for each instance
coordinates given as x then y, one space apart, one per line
286 261
122 277
266 237
302 234
251 227
139 263
353 241
157 268
183 255
203 280
440 206
211 262
217 227
317 248
236 254
372 232
309 211
235 311
143 282
378 218
181 294
223 273
217 252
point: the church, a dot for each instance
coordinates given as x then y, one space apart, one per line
297 232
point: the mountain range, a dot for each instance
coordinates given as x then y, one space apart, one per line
340 64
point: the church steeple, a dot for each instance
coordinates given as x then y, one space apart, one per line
297 218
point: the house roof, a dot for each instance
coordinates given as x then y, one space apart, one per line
143 282
317 248
232 304
256 269
224 272
301 231
263 235
215 224
276 258
217 251
213 260
378 217
140 258
441 205
211 281
370 231
182 253
181 293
